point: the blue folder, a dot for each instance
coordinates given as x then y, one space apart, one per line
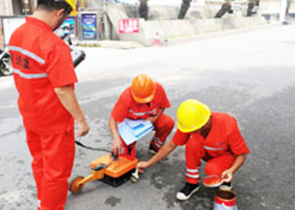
133 130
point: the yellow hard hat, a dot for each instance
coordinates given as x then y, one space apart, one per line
72 4
192 115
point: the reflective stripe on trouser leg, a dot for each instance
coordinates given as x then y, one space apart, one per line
217 165
157 143
192 175
58 151
194 152
163 127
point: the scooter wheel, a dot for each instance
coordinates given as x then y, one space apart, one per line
74 187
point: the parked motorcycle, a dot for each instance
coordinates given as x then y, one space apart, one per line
5 63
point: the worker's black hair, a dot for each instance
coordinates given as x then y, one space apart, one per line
50 5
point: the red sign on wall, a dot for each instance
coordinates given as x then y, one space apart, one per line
127 26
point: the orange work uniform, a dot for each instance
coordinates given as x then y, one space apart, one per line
220 148
127 107
41 61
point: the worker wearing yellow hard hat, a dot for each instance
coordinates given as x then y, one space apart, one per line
210 136
72 4
68 6
192 115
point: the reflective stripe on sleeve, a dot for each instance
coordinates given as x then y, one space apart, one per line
142 113
27 53
213 148
29 76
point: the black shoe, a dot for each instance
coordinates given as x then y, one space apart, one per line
152 149
186 192
226 186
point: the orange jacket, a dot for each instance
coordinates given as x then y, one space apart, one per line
127 107
223 137
41 61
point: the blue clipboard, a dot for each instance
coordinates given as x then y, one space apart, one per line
133 130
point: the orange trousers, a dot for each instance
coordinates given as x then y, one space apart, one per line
53 158
195 152
163 127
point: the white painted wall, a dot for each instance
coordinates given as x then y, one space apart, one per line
6 7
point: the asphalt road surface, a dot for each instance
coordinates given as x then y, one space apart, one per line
250 75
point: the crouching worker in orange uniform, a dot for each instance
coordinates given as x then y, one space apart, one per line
144 99
44 76
212 137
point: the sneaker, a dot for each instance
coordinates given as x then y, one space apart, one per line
186 192
226 186
152 149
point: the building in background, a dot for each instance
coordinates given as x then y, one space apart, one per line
270 9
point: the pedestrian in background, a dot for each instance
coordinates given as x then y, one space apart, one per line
144 99
44 76
212 137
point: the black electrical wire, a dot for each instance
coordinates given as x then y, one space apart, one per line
91 148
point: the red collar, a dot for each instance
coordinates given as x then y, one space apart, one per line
38 22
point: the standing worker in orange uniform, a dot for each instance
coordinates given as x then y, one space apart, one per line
44 76
144 99
213 137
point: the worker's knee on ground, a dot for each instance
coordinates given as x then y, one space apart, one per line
165 123
169 123
213 168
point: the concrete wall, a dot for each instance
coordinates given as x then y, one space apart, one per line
292 7
1 36
207 10
5 9
270 6
173 28
270 9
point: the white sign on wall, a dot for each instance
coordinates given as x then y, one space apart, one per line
9 24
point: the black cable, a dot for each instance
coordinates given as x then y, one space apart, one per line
66 13
91 148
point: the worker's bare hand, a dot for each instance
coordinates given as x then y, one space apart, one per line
116 146
152 119
142 166
227 176
83 128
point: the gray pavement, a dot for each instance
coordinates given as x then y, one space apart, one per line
249 75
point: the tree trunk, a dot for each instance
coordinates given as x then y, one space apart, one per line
225 7
17 7
251 6
184 8
250 9
143 9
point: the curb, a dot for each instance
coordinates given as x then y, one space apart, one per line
81 44
175 41
204 36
